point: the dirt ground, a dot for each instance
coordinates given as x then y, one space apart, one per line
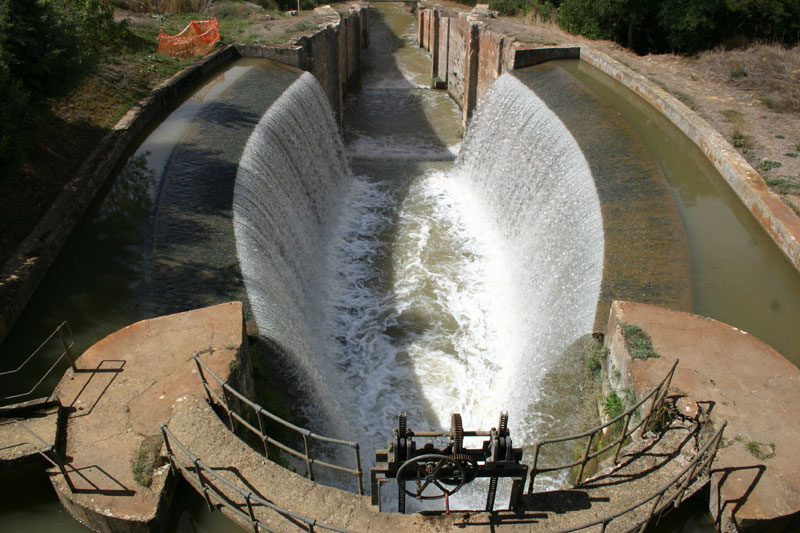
752 97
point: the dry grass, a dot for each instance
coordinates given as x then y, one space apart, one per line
770 70
165 6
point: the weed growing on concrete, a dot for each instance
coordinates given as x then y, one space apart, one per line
146 460
613 405
639 343
594 364
790 154
767 165
756 449
780 136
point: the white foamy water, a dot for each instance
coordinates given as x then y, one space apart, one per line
441 292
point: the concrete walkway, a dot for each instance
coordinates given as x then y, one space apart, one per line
128 385
736 377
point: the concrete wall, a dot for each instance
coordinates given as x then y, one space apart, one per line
468 55
332 54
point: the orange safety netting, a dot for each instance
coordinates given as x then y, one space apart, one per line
197 38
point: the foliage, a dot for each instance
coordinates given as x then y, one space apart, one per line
44 44
613 405
685 26
769 165
146 460
639 343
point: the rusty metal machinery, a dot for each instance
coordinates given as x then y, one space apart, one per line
426 472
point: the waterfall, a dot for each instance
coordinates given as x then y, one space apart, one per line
443 290
538 191
290 182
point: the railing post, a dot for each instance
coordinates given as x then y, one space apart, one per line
263 432
623 437
203 378
253 520
534 466
309 460
585 458
168 447
359 473
228 407
203 484
66 347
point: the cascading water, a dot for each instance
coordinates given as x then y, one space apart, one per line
538 189
288 188
436 289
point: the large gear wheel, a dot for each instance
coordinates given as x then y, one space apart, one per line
445 474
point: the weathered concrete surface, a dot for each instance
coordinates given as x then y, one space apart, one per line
17 445
129 384
732 376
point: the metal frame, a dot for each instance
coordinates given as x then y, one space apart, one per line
658 394
68 343
266 440
206 478
700 465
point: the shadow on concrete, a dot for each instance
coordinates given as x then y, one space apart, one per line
731 506
620 476
93 476
91 386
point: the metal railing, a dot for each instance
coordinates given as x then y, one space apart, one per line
67 340
657 394
699 466
55 460
260 431
208 482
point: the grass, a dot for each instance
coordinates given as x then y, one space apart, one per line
782 186
613 405
683 97
146 460
639 343
756 449
765 69
767 165
738 136
594 363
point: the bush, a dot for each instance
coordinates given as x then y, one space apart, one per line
685 26
44 44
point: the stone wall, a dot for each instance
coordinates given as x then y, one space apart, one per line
468 55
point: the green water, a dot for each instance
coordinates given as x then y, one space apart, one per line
739 275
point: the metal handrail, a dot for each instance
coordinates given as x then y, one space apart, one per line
266 440
658 393
57 462
206 476
67 343
699 465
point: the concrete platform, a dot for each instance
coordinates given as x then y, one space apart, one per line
736 377
128 385
27 429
